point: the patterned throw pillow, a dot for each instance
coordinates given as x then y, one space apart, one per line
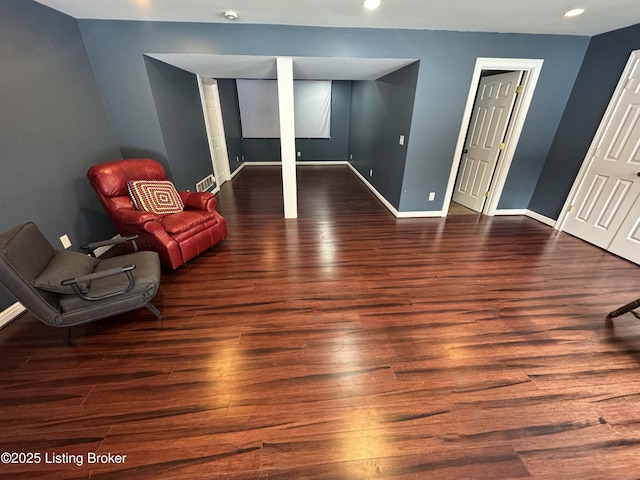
155 196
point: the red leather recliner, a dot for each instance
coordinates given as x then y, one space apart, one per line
177 237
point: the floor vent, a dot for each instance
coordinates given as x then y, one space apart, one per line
205 184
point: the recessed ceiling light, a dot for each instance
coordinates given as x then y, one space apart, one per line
371 4
574 13
231 15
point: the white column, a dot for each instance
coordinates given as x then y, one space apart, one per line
287 136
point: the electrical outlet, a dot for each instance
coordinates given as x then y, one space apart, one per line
299 154
371 172
351 156
401 139
64 239
237 158
432 196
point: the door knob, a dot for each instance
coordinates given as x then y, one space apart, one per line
638 174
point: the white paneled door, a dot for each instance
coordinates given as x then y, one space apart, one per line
215 131
491 114
605 210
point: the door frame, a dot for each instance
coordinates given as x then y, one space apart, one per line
531 68
591 153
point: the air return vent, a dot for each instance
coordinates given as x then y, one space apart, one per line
205 184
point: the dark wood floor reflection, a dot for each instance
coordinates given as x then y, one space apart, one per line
346 344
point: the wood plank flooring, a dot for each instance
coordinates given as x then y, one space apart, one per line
346 344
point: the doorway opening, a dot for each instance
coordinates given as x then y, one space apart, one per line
484 181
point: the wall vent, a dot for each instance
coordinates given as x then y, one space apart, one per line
205 184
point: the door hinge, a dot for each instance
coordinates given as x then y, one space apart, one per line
488 194
629 83
502 145
519 89
570 209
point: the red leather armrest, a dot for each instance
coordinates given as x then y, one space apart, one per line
136 217
199 200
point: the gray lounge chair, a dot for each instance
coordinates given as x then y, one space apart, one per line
63 288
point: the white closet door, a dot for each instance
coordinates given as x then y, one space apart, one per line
605 209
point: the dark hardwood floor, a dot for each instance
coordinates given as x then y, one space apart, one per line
346 344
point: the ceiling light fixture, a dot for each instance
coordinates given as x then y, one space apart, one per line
371 4
574 13
231 15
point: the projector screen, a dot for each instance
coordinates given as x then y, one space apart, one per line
258 101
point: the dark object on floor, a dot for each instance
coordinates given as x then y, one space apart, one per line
629 307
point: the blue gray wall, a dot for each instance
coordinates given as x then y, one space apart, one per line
179 111
446 67
53 127
600 72
380 112
447 59
231 120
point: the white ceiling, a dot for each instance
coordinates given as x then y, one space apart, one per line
515 16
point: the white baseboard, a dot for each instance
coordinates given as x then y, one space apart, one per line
384 201
11 313
237 170
511 211
527 213
421 214
321 163
276 163
541 218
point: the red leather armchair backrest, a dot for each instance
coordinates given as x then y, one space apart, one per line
109 180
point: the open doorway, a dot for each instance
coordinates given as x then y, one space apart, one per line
480 174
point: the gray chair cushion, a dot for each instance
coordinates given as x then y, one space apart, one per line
146 274
65 265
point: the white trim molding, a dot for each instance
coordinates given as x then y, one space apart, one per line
10 314
527 213
511 211
541 218
421 214
384 201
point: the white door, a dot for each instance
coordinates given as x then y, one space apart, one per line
605 210
627 242
491 113
215 131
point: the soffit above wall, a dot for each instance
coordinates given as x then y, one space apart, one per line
264 67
